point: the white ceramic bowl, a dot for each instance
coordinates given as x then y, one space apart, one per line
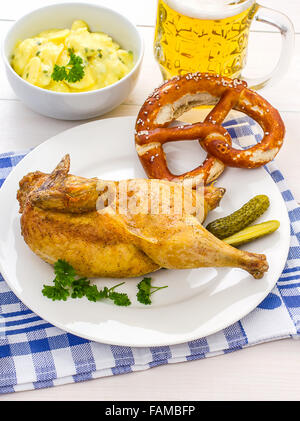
81 105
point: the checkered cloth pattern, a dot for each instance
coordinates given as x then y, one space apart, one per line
34 354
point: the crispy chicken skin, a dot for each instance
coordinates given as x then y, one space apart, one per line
62 219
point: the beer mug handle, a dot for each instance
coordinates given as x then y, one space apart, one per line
286 28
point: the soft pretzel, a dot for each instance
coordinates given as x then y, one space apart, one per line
182 93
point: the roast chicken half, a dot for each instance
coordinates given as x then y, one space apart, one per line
84 222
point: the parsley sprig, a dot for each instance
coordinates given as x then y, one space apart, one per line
68 284
72 72
145 290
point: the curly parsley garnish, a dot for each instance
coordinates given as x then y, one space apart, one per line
72 72
68 284
145 290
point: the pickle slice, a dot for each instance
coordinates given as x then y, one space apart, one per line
252 233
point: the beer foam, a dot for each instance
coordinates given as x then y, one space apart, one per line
209 9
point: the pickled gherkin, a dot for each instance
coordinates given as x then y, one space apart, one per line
240 219
252 233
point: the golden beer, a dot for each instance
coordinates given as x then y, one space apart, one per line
212 37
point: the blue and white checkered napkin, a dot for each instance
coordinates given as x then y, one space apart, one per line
34 354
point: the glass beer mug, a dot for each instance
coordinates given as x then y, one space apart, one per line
212 36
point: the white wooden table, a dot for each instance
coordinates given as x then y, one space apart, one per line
269 371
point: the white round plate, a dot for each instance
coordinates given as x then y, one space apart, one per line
197 302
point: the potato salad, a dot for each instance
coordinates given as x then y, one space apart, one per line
71 60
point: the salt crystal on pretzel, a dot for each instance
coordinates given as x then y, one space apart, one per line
180 94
